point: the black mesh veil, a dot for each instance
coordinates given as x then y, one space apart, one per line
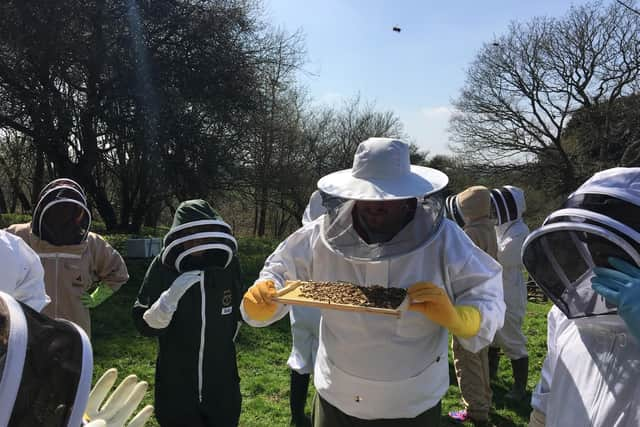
560 256
453 210
47 366
199 244
61 216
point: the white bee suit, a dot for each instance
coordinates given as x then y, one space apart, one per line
373 366
510 238
605 391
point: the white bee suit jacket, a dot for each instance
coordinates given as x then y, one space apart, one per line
374 366
591 374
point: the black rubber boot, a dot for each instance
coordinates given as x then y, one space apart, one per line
298 398
494 361
520 375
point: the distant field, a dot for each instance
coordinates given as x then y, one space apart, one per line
262 353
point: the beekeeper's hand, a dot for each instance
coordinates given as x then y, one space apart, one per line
434 303
159 315
120 405
97 297
257 301
621 287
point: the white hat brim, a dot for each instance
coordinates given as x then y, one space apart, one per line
421 181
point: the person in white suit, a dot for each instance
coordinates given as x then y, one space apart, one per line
511 231
388 231
590 374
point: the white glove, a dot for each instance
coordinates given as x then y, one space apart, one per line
159 315
120 405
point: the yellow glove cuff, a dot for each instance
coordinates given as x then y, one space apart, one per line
468 323
257 301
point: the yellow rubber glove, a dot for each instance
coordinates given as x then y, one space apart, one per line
434 303
257 301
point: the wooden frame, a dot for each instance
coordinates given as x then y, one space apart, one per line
290 294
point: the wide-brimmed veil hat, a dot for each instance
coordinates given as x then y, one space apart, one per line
382 171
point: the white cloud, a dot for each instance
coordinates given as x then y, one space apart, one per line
428 127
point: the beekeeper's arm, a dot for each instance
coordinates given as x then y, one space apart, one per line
156 281
475 280
109 269
30 289
290 261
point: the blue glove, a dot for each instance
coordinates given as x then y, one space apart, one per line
621 287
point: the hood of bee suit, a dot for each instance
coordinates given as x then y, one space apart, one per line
61 216
474 203
45 368
601 219
507 204
199 239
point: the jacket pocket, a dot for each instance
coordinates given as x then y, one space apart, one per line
73 277
414 325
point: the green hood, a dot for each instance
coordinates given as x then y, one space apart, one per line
198 239
194 210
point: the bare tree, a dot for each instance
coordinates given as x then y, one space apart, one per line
274 120
523 87
629 6
356 121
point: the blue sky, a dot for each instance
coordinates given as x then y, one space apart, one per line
415 73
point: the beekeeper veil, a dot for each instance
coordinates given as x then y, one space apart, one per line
601 219
381 172
507 204
45 368
453 211
198 239
61 216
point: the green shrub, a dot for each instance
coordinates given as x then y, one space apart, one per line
8 219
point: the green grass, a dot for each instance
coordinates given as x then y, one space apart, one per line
262 353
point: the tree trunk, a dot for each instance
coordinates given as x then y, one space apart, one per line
103 205
38 177
262 218
255 216
3 203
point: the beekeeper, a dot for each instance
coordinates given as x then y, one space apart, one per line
305 330
23 276
189 299
388 231
511 231
81 270
590 374
473 205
